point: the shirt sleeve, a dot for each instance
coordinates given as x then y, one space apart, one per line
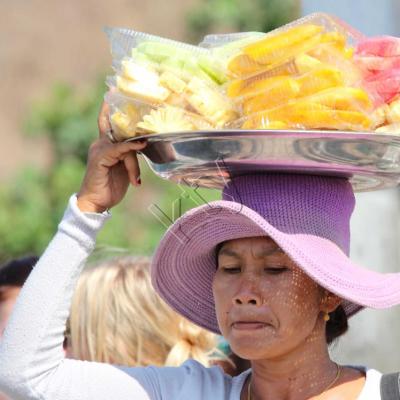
32 363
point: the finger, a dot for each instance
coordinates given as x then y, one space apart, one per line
113 153
103 120
132 166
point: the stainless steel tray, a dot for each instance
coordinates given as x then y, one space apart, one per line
210 158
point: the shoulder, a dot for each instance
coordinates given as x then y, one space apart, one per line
190 380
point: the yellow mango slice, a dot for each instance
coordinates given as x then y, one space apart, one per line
308 115
343 98
320 79
237 86
283 91
266 48
305 63
243 65
256 85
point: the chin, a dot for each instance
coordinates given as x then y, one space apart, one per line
253 348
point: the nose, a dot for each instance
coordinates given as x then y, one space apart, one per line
247 295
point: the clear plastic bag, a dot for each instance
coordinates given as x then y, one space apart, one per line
281 45
130 118
307 114
379 59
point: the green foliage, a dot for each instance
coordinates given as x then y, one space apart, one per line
32 204
241 16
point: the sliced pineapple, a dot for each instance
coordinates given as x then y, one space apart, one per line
172 82
393 112
124 122
378 116
393 129
147 91
140 73
210 103
167 119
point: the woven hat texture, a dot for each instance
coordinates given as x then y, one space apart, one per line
307 216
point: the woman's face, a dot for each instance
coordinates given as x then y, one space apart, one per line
266 306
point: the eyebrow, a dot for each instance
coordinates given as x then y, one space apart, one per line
232 253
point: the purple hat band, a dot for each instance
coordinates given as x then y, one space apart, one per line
315 205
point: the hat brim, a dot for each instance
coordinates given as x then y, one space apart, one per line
185 262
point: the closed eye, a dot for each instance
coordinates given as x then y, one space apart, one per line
275 270
231 270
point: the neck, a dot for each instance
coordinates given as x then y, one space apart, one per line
305 372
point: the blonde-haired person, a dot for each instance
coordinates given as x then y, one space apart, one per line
110 295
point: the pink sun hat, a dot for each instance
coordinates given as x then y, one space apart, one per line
307 216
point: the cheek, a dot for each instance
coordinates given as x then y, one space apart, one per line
296 302
222 292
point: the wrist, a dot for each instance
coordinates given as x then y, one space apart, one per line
85 205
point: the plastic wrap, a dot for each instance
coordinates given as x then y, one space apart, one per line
379 59
130 118
314 73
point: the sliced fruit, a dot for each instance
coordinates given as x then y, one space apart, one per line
210 66
210 102
385 84
383 46
255 86
124 122
287 89
375 63
172 82
266 49
243 65
320 79
136 72
286 53
159 51
192 68
305 63
389 129
147 91
166 119
378 116
306 115
393 112
343 98
177 100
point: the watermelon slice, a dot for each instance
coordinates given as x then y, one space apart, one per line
385 84
382 46
376 63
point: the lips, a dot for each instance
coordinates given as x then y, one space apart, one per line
248 325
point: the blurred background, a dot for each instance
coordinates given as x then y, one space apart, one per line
54 58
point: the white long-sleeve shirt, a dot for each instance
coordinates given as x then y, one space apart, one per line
32 363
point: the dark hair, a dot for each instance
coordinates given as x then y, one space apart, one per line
337 324
16 272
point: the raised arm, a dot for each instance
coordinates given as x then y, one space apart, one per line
32 364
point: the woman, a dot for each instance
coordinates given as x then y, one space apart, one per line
267 266
113 293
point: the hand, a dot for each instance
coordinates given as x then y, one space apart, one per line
110 169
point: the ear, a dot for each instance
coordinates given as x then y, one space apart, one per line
330 302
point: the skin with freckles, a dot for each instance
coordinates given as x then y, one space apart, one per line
271 313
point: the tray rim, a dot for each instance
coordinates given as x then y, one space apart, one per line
222 133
